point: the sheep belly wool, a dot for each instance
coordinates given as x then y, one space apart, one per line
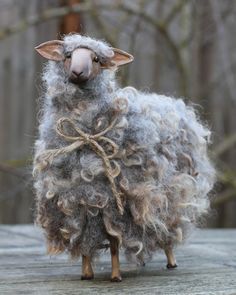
119 162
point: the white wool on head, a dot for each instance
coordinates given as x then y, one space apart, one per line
101 48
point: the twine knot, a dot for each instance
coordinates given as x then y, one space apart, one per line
80 139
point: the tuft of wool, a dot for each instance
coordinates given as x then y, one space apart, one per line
164 172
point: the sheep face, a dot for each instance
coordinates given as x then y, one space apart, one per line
82 63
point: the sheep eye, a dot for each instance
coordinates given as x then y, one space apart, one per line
96 59
68 54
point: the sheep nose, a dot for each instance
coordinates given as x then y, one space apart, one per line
77 74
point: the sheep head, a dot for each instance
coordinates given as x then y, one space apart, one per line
82 63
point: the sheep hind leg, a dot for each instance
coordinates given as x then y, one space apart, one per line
171 262
87 271
115 274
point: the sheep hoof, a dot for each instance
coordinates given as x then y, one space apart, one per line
171 266
87 277
116 279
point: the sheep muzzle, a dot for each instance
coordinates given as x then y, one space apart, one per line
83 66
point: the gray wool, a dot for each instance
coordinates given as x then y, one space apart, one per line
165 174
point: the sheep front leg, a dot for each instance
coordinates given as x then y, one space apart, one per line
87 271
115 275
171 262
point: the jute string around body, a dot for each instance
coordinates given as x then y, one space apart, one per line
78 141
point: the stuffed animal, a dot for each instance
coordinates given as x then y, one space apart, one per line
114 167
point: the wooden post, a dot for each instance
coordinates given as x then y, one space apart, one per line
71 22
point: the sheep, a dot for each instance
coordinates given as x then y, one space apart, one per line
114 167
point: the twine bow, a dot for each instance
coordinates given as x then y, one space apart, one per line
92 140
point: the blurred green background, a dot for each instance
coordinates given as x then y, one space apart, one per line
182 48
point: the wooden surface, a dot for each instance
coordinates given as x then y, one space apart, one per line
207 265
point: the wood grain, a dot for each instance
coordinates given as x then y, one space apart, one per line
207 265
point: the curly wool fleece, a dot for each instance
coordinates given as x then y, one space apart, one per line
161 163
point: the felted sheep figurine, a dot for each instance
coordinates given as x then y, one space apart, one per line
114 167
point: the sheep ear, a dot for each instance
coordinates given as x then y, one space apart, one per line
121 57
52 50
